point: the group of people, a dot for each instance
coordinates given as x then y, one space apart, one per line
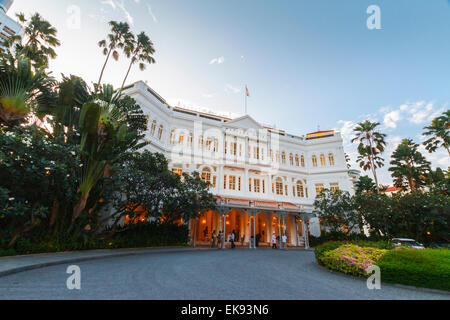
283 241
218 240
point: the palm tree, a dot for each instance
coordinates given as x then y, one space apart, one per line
140 50
39 40
439 130
119 37
22 90
409 164
371 146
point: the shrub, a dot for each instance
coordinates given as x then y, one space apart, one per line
340 236
428 268
351 258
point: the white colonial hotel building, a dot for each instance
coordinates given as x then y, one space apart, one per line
265 179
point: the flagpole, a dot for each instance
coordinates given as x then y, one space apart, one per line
245 93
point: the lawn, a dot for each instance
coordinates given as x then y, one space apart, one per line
429 268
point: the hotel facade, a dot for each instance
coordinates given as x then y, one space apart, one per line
265 180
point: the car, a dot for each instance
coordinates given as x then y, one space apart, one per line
440 245
410 243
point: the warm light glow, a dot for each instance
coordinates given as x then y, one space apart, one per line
228 222
428 232
204 221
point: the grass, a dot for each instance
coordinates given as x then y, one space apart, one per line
428 268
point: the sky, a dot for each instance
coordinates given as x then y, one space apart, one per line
307 64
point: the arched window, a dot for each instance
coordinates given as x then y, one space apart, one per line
314 161
153 128
331 159
300 190
297 161
206 175
271 155
172 137
283 157
279 186
303 161
190 140
291 159
160 132
278 156
322 160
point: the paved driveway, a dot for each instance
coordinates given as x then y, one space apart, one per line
216 274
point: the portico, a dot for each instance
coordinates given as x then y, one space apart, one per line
253 223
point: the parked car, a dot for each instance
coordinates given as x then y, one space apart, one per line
440 245
410 243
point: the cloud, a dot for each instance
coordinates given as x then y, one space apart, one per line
110 2
127 14
218 60
121 6
208 95
150 11
229 87
420 111
391 119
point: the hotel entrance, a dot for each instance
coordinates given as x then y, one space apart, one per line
252 227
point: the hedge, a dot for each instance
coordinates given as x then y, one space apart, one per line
143 234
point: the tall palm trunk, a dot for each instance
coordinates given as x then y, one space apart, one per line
126 76
104 66
373 167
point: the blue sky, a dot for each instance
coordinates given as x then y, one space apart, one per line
306 63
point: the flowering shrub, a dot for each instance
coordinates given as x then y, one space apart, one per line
351 258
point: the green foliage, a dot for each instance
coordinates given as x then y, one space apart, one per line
37 42
336 211
409 166
421 215
340 236
149 234
365 184
143 185
371 145
427 268
22 90
439 133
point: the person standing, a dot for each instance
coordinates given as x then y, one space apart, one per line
232 240
284 241
274 241
213 239
219 240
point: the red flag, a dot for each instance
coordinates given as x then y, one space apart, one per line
246 90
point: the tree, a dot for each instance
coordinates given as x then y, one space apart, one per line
365 184
439 133
409 166
140 51
421 215
22 90
143 187
38 41
36 171
119 37
347 161
371 146
337 211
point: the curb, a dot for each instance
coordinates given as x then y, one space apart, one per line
95 257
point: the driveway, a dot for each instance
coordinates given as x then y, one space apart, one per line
209 274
